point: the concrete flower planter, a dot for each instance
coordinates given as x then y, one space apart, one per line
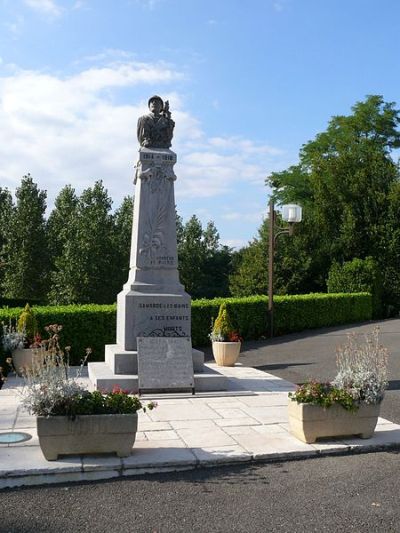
309 422
22 358
226 353
87 434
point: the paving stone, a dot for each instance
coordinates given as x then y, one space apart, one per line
268 445
245 421
24 421
230 413
159 454
181 424
221 454
161 435
268 415
269 429
15 461
182 412
265 400
7 421
239 430
140 435
153 426
330 446
198 438
387 434
101 462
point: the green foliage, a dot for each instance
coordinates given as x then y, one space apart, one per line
250 275
323 394
358 275
292 313
96 403
25 251
204 264
95 325
122 232
5 214
223 326
84 270
348 185
83 326
27 323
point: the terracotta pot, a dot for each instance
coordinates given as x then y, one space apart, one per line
309 422
87 434
226 353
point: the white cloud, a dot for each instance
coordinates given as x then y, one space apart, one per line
45 7
76 130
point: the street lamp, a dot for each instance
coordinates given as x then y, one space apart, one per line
291 213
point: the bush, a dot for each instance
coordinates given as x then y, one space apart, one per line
358 275
291 313
83 326
95 325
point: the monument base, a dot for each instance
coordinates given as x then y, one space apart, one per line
121 368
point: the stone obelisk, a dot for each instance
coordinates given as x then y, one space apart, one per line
153 302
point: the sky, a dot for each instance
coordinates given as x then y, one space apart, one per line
249 82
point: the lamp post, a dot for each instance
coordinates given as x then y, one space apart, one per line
292 214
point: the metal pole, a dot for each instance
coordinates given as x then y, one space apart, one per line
271 253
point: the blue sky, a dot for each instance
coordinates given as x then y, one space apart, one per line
248 82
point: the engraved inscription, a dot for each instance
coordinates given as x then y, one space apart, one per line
165 363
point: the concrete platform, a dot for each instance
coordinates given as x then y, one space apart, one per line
104 379
246 423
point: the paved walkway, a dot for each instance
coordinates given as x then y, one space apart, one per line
248 423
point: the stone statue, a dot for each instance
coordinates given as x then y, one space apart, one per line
155 130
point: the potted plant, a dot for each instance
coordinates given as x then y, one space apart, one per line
13 343
27 329
226 341
350 404
72 420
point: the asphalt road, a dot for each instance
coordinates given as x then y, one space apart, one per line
334 494
312 354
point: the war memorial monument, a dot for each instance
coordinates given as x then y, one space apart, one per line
154 351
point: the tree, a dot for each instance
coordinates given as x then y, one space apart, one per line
25 249
250 273
84 270
122 233
344 180
204 264
61 221
6 206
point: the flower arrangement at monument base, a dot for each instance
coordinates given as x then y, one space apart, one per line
226 341
72 420
18 341
350 404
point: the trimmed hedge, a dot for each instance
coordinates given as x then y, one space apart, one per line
291 313
358 275
95 325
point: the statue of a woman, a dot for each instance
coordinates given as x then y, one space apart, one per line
155 130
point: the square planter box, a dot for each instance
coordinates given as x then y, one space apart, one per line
309 422
86 434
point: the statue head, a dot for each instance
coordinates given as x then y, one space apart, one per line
156 104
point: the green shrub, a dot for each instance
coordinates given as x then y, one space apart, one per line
95 325
27 324
358 275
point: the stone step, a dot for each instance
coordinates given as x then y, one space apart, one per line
104 379
125 362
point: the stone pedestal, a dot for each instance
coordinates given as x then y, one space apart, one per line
153 302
